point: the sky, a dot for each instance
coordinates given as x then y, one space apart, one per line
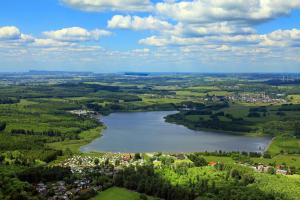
150 35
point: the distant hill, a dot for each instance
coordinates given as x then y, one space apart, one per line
282 82
136 74
45 72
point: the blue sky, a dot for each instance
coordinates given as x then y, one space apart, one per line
144 35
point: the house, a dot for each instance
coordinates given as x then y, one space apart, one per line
212 164
127 157
282 171
262 168
41 188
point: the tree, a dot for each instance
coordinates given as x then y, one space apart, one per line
235 174
137 156
297 129
2 126
247 178
68 152
96 161
141 186
106 162
267 155
254 114
1 158
271 170
197 159
143 197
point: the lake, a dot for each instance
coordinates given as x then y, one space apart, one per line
148 132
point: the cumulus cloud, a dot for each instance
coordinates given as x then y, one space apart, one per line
221 28
12 36
138 23
50 43
14 42
246 11
109 5
76 34
9 33
172 40
155 41
282 38
186 41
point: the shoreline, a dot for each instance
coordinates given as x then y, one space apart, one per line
219 131
270 143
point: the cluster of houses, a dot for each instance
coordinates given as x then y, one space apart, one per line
110 164
60 190
83 113
248 98
267 169
255 98
79 163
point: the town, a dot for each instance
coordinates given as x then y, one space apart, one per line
87 170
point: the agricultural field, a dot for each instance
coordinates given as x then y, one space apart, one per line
294 99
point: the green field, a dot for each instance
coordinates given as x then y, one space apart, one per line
289 186
294 99
116 193
74 145
286 144
284 159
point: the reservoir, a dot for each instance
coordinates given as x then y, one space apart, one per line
148 132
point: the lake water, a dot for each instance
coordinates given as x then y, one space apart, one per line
148 132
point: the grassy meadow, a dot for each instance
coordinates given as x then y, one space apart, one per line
116 193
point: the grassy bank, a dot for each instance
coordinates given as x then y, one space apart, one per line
283 145
74 145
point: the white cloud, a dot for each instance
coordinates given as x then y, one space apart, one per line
141 51
138 23
11 36
26 38
245 11
172 40
9 33
76 34
238 39
220 28
50 43
186 41
109 5
154 41
282 38
293 34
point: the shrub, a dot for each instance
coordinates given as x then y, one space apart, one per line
143 197
197 159
2 126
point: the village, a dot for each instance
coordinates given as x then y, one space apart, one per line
83 167
86 168
257 98
247 98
